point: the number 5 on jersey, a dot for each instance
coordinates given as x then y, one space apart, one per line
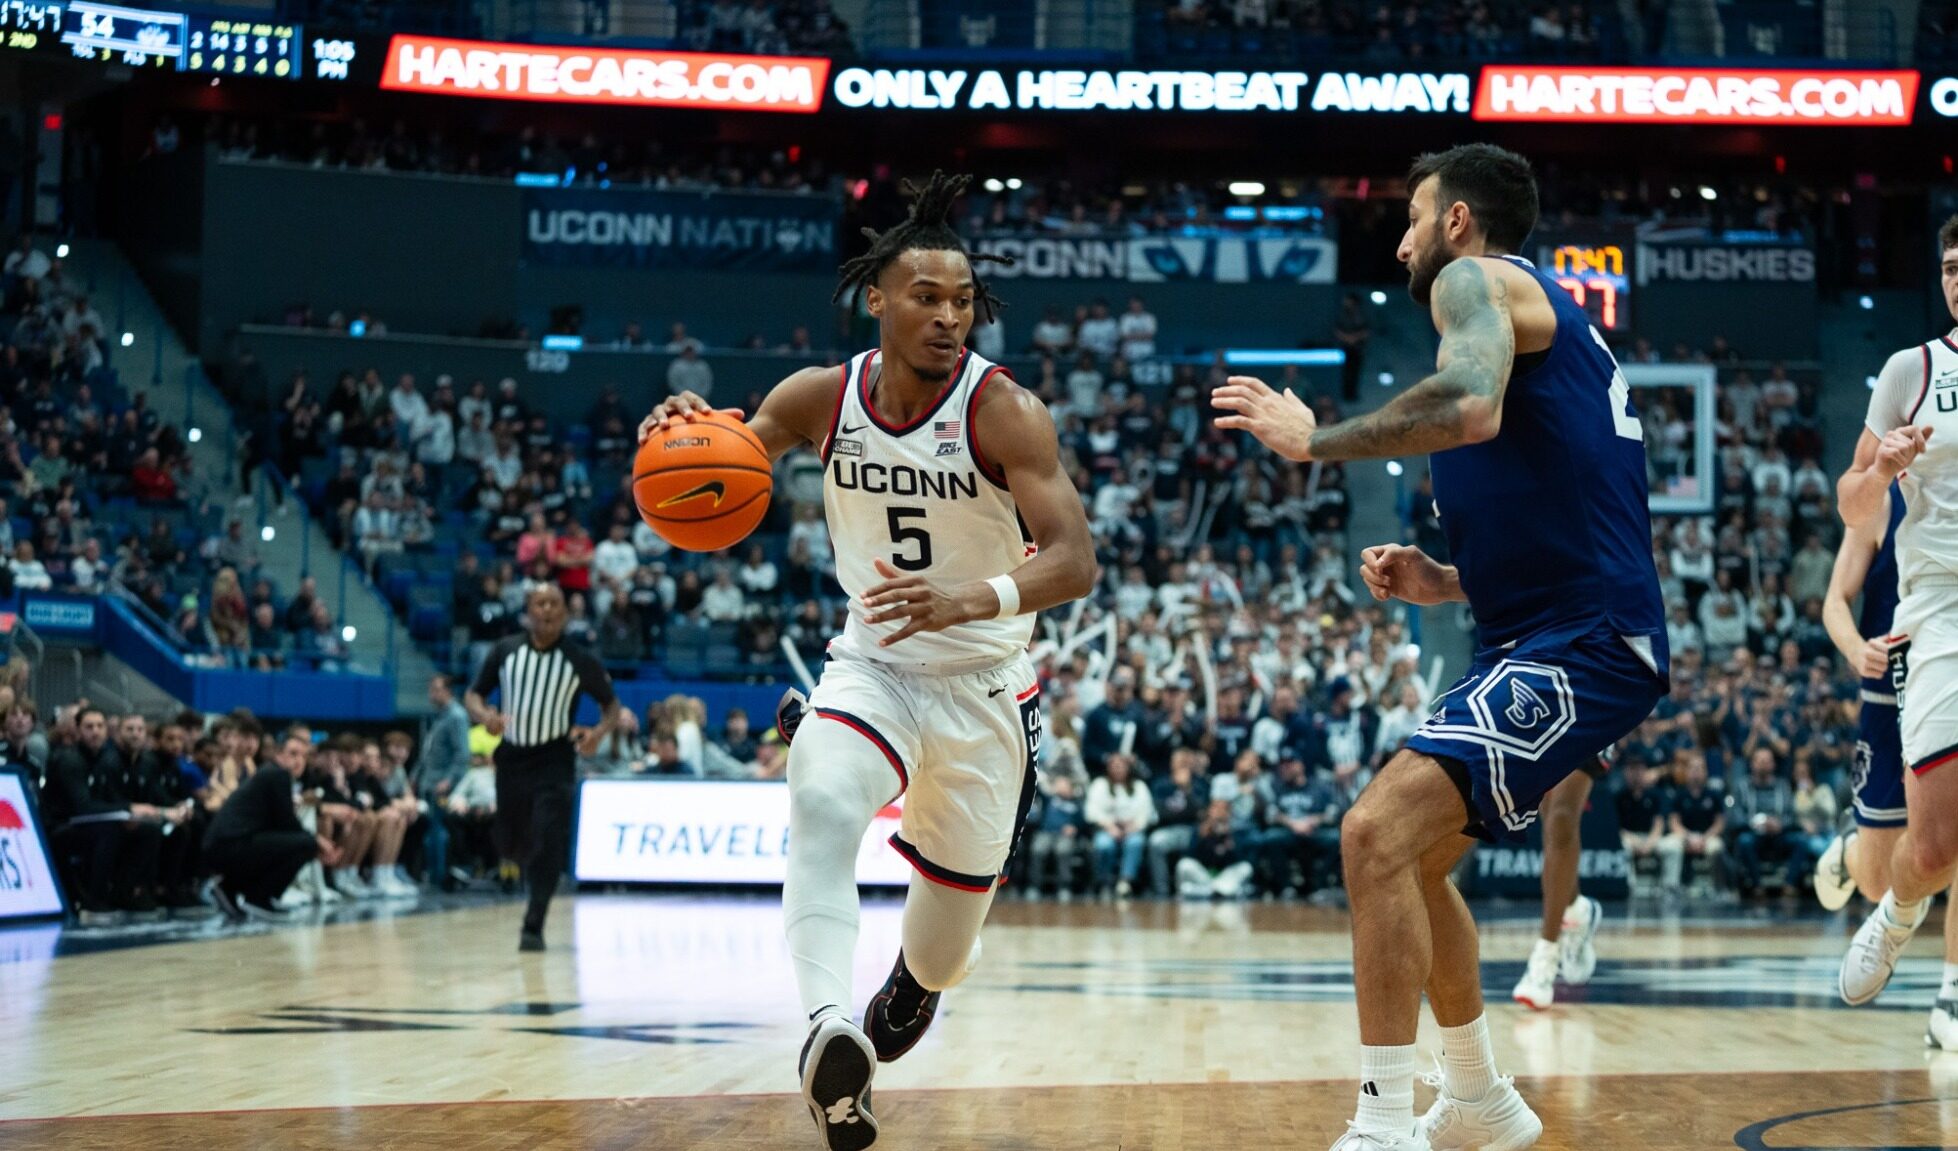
904 535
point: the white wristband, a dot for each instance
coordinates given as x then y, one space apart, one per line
1009 595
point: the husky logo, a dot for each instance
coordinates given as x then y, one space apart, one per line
1526 708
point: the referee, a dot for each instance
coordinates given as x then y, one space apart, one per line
539 676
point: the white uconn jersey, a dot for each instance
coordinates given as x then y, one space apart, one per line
923 498
1919 387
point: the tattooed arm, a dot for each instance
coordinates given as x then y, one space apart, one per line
1461 403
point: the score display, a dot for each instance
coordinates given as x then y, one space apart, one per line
176 41
27 26
113 34
1596 269
242 48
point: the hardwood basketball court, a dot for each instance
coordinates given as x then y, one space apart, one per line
667 1022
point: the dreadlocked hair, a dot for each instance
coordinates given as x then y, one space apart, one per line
927 227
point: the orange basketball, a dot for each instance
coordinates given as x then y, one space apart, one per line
703 485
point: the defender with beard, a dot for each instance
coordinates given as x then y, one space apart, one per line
1539 476
953 523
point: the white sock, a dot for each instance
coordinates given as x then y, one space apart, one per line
1386 1090
1950 974
1900 914
1468 1062
1545 949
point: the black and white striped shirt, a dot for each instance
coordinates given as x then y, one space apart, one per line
540 688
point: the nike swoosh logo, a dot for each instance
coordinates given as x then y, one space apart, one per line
994 692
714 488
850 431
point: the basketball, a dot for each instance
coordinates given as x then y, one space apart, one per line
703 485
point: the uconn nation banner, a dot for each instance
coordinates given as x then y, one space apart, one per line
1162 259
631 228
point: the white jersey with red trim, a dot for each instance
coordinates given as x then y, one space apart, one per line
1919 387
922 497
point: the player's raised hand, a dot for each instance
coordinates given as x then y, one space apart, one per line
1280 420
911 598
1395 571
685 406
1900 448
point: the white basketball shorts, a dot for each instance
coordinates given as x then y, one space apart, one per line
1924 671
961 750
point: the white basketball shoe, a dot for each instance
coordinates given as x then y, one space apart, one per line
1499 1121
1833 884
1576 957
1537 990
1872 954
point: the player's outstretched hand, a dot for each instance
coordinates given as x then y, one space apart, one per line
1280 420
1900 448
1395 571
685 406
912 599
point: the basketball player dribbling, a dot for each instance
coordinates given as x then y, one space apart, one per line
1911 439
1539 475
1859 858
933 459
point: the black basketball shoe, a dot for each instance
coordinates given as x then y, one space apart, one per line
899 1014
836 1068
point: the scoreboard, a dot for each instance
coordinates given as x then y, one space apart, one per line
175 41
242 48
1594 264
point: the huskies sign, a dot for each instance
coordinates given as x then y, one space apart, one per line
1160 259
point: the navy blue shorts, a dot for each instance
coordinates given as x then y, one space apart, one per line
1525 717
1879 788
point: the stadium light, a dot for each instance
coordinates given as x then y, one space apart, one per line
1246 188
1395 469
196 435
1707 193
1378 297
61 252
348 633
1870 382
1386 379
1014 183
128 339
993 184
1865 303
266 533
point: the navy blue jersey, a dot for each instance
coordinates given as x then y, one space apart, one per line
1880 585
1547 523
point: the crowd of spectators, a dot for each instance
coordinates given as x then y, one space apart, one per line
173 814
1388 33
764 27
98 490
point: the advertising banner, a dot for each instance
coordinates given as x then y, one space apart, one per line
1695 96
737 231
589 75
698 831
1101 90
62 615
27 881
1163 259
